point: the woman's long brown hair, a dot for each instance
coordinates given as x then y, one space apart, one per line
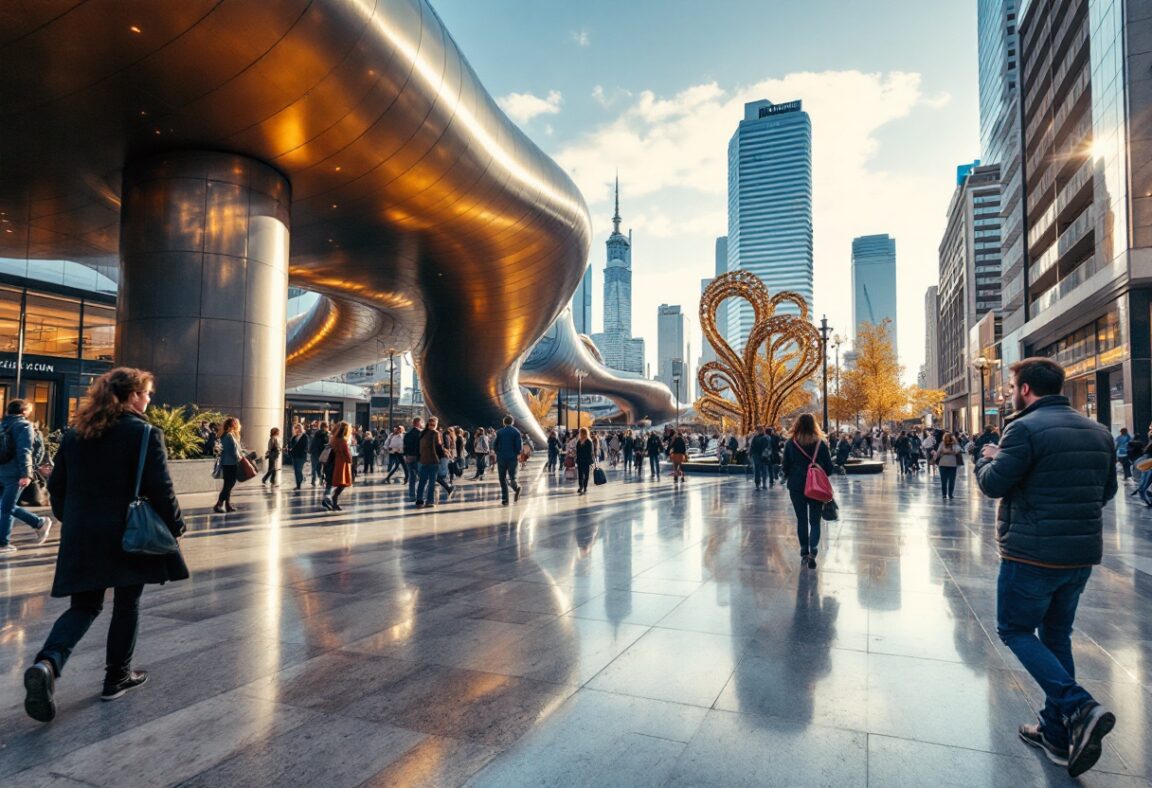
805 431
105 400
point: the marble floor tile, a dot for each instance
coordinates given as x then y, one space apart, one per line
673 665
635 636
741 750
598 738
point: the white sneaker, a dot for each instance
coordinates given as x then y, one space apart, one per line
7 548
43 530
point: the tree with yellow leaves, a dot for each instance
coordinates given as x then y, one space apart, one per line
923 402
541 404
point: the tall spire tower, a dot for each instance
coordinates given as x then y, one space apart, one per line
619 349
616 216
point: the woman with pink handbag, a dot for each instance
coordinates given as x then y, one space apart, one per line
807 464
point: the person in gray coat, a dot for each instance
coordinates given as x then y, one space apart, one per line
1053 471
16 474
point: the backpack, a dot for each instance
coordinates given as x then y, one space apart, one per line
817 486
7 445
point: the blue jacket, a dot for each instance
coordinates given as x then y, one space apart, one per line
508 443
229 449
1122 442
1055 471
21 432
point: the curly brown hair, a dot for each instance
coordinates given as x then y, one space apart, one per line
105 399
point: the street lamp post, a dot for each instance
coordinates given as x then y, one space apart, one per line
677 365
824 348
836 342
580 375
391 388
981 364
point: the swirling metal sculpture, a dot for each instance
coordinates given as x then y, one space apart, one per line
782 352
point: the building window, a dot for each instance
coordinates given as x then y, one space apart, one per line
99 332
51 326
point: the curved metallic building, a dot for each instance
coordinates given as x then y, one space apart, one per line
562 351
219 149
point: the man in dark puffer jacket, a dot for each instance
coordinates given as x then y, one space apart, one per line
1054 471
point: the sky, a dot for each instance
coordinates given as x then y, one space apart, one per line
654 89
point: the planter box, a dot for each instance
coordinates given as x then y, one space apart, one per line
193 476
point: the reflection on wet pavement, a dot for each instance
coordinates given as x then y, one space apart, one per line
638 635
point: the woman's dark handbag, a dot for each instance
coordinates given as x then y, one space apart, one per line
36 493
830 511
145 533
245 470
598 476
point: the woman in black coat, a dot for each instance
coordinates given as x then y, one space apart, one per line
585 457
91 487
807 444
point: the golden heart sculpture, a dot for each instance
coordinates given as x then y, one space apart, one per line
782 352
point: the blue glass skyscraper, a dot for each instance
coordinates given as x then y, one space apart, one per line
874 282
770 204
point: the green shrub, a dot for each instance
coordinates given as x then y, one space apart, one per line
181 428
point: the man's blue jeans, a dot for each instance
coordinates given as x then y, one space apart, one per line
1035 598
1145 481
760 469
428 472
8 508
506 471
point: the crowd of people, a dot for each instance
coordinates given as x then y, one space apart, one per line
1052 468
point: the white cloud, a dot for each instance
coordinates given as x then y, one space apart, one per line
672 154
522 107
581 38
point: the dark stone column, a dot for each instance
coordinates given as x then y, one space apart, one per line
204 283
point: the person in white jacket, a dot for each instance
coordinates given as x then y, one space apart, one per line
395 448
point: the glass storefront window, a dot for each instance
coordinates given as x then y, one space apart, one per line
99 332
51 326
9 319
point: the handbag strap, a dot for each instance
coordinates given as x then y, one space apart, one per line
809 457
140 463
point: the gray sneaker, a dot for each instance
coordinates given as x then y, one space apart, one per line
6 549
43 530
1032 734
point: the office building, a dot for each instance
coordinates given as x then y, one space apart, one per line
582 303
999 59
770 205
707 352
671 353
621 351
969 287
874 282
1088 200
931 338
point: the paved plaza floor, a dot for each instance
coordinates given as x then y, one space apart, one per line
638 635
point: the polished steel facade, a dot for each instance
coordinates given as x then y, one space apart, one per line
204 284
427 220
562 352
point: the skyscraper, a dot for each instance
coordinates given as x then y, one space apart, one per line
770 204
671 357
969 289
582 303
707 352
931 338
1084 90
999 49
874 282
618 278
619 348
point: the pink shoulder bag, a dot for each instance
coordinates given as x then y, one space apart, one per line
817 486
